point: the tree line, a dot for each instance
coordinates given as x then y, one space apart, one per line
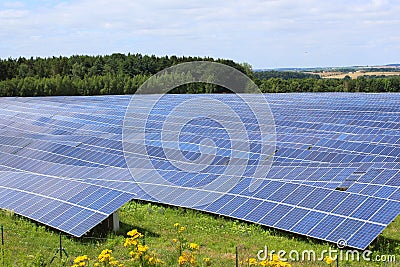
94 75
361 84
89 66
286 75
124 74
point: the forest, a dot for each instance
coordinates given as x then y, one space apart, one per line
265 75
123 74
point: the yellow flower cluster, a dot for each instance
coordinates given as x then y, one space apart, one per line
274 262
105 256
250 262
142 249
194 246
129 242
134 234
81 261
153 260
138 251
141 252
186 258
108 260
181 229
133 239
328 260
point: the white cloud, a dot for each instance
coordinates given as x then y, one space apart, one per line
10 14
265 33
13 4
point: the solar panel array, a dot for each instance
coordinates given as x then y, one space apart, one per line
56 155
62 163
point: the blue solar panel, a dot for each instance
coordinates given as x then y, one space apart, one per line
274 215
364 234
231 206
291 218
257 214
331 201
387 213
308 222
368 208
63 162
245 208
345 230
216 205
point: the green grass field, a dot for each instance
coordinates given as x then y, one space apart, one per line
31 244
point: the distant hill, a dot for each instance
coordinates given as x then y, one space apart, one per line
347 68
393 65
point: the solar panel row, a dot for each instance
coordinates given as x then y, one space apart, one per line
68 205
329 141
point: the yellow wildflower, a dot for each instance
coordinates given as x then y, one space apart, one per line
142 249
328 260
153 260
194 246
250 261
114 263
134 234
187 257
130 242
275 257
81 261
207 261
105 256
182 260
181 229
176 225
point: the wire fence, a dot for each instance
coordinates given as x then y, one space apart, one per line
28 248
33 248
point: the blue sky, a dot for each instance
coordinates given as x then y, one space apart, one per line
266 34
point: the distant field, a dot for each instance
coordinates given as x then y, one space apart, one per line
354 75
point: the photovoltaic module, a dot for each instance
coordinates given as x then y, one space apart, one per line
70 162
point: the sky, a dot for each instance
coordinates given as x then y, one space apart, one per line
265 34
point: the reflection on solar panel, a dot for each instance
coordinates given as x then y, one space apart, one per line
335 173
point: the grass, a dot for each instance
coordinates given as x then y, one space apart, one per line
31 244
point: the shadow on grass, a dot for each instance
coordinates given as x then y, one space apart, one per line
124 228
100 236
385 245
